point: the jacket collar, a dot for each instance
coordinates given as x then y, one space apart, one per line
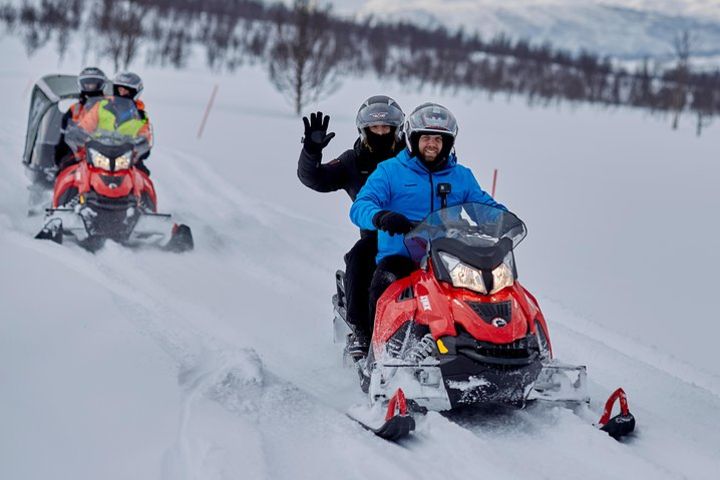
415 164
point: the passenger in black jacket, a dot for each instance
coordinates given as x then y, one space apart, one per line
379 122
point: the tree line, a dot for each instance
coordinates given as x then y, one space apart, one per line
307 50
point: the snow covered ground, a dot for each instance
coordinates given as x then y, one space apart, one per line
218 364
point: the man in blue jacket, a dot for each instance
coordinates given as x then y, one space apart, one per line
404 190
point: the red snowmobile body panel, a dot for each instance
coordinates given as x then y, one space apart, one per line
443 308
488 347
85 178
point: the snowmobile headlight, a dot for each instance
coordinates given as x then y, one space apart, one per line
462 275
502 278
99 160
123 161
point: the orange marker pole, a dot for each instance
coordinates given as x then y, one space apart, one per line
207 111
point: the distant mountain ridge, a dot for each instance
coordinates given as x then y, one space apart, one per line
629 29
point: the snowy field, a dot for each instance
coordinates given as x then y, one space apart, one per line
218 364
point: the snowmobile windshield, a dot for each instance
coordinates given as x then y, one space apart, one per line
78 138
107 150
109 121
474 225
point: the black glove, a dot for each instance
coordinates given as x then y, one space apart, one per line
316 136
392 222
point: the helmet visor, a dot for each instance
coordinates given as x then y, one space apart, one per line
433 119
91 84
124 91
380 114
129 80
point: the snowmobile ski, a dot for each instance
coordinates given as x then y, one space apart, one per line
622 424
397 423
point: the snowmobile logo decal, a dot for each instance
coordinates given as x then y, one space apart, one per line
379 115
425 302
622 419
499 322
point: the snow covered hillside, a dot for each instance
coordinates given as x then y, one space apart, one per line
624 28
218 364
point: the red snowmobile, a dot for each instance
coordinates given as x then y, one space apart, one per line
462 331
104 196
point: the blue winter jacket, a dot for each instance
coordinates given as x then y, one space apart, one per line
404 185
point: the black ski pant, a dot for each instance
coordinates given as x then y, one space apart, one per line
389 269
359 268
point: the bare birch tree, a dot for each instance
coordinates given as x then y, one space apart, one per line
119 24
304 54
683 45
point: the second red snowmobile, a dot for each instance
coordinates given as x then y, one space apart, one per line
105 197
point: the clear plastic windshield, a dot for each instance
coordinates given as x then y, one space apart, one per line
108 121
474 224
77 138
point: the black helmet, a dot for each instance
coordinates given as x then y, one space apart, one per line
380 110
91 81
129 80
432 119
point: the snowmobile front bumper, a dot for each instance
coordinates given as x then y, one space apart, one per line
453 381
561 382
475 373
86 226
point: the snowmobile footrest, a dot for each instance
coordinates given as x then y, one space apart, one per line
340 287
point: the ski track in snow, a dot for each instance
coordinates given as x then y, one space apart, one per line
679 369
245 319
234 377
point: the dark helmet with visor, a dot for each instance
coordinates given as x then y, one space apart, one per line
130 81
380 110
431 119
91 81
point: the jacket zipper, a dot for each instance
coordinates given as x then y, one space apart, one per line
432 194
